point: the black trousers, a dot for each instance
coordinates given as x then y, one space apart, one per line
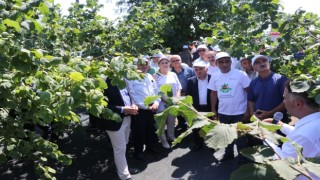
241 141
143 130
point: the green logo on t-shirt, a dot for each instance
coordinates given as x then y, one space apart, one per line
225 88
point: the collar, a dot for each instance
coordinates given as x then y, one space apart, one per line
268 78
206 79
307 119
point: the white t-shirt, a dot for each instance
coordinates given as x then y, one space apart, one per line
230 90
213 69
172 79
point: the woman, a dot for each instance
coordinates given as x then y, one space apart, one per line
165 76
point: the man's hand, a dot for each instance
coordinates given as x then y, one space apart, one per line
246 118
268 120
153 107
215 116
130 110
262 114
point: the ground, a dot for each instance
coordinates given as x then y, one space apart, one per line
93 159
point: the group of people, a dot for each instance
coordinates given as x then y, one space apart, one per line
217 86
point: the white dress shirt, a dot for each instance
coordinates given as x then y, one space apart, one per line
140 89
203 91
305 133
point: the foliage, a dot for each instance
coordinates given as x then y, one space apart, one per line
51 66
187 15
219 135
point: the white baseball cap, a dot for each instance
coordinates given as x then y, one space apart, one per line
258 56
200 64
221 55
202 46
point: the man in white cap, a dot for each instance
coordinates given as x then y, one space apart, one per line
202 50
230 87
197 89
143 124
265 95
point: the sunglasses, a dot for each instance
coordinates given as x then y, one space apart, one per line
201 50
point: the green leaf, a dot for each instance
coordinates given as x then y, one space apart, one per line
150 99
13 24
45 97
50 170
221 136
259 154
37 26
254 118
269 126
242 126
197 124
43 8
167 90
283 169
312 167
110 115
3 158
187 100
64 109
209 40
254 171
76 76
38 53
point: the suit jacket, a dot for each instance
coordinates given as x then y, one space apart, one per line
114 99
193 91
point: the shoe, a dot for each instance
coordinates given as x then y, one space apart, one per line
134 171
140 157
165 144
151 150
171 139
227 157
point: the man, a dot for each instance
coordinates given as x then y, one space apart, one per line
213 68
183 74
197 89
230 87
193 50
186 55
265 95
248 68
143 125
306 130
202 50
120 103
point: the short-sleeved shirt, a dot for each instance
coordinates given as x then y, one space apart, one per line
267 93
172 79
230 90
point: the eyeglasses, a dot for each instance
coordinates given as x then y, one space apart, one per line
201 50
177 60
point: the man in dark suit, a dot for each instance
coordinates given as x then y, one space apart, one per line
120 103
197 89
